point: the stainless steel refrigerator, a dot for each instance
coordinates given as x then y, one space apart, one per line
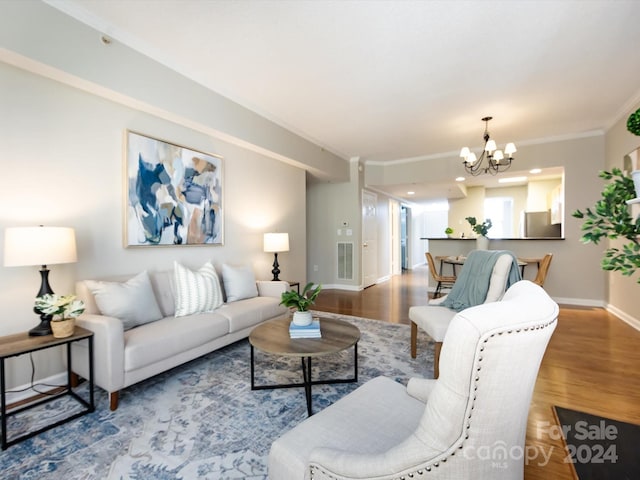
538 225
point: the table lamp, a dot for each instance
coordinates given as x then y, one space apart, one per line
276 242
39 246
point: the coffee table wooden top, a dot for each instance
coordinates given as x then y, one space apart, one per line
273 337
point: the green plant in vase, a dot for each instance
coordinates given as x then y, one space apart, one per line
66 306
480 228
301 302
610 219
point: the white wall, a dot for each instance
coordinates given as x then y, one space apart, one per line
62 165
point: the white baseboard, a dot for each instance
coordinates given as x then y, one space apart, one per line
354 288
24 392
625 317
584 302
340 286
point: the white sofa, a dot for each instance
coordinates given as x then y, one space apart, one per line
124 356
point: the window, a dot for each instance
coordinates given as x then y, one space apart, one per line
500 211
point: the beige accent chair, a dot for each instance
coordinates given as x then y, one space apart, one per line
543 269
442 281
468 424
434 319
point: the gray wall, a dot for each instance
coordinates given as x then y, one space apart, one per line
329 206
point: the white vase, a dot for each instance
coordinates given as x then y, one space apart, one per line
302 319
636 181
482 243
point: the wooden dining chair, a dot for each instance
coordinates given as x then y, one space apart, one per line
543 269
442 280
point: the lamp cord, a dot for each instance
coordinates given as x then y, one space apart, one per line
33 385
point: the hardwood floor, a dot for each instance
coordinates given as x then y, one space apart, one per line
592 364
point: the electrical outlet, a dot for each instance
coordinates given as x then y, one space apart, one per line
315 268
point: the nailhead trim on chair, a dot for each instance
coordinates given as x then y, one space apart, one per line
428 468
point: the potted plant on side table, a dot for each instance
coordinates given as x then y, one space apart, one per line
64 305
301 302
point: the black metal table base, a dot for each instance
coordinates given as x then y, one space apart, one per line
89 405
307 382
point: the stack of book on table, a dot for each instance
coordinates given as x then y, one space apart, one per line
308 331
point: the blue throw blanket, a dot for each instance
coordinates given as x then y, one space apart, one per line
472 284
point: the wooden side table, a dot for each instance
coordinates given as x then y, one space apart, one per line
21 343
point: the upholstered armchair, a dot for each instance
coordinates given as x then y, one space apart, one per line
435 317
468 424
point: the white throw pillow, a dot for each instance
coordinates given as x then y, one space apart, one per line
133 301
196 292
239 282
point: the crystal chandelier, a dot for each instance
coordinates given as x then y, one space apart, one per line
496 161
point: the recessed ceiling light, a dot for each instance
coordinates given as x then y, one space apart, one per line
512 179
535 170
460 179
411 193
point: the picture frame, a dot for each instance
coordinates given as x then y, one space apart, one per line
174 194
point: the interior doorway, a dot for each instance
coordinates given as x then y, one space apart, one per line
404 237
369 238
395 242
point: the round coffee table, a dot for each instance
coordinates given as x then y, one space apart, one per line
272 337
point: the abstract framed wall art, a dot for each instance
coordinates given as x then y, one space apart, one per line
173 194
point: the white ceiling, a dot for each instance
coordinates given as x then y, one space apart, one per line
389 80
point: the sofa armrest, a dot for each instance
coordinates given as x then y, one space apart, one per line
268 288
108 351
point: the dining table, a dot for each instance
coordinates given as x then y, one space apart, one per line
458 260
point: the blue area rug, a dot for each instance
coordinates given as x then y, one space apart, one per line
202 420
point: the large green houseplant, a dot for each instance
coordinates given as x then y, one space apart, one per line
610 218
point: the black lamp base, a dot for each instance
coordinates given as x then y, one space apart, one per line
276 270
44 328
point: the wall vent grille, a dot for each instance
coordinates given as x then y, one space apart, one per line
345 260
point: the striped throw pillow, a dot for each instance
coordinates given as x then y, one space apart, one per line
196 292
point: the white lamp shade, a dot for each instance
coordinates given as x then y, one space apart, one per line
464 153
510 148
497 155
276 242
39 246
471 158
490 146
